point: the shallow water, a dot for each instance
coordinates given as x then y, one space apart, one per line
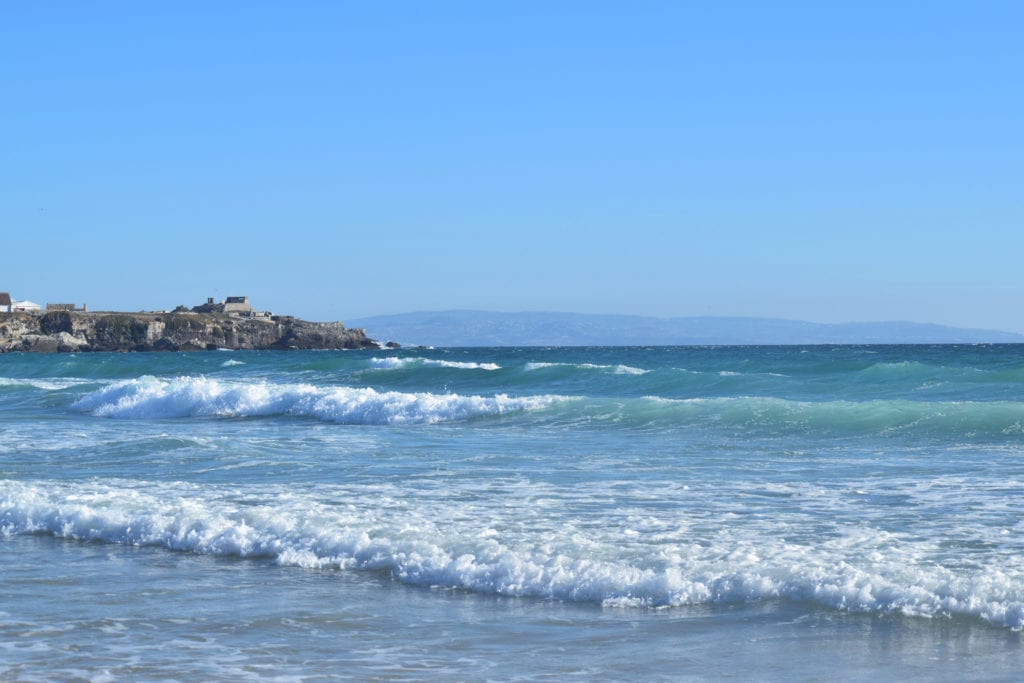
768 512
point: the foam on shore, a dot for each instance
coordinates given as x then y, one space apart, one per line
451 544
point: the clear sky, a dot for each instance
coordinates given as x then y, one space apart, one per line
820 161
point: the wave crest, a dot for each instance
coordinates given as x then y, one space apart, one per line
864 570
46 384
401 363
615 369
153 398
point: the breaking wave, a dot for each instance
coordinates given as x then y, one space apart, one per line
616 369
433 544
399 363
156 398
150 397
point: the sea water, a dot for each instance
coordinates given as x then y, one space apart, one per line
659 513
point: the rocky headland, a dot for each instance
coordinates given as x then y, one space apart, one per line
179 331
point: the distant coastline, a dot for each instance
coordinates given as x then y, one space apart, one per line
235 324
485 328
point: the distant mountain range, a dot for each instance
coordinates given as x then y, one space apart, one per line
482 328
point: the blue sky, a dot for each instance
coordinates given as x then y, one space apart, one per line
819 161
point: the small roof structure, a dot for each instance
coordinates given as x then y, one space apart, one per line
5 299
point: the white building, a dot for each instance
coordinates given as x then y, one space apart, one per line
25 305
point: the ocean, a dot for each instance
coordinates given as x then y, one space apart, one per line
662 513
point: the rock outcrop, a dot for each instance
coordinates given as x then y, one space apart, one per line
77 331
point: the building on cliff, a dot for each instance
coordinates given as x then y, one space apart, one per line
67 307
26 306
9 305
238 305
234 306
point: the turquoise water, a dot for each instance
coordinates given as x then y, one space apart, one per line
669 513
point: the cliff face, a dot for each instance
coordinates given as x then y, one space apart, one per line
74 331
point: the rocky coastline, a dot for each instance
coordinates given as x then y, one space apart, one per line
76 331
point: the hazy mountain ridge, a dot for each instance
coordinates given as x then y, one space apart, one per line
484 328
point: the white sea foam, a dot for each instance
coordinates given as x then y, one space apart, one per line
636 561
231 363
150 397
616 369
392 363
